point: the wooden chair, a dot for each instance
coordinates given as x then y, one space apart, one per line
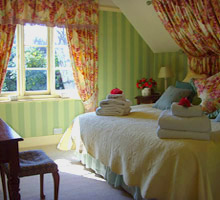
34 162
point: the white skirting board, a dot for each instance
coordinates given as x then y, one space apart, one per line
40 141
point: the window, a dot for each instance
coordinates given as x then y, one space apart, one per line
39 63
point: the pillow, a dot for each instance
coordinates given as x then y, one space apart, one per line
193 85
214 114
188 86
191 74
171 95
209 91
217 118
196 100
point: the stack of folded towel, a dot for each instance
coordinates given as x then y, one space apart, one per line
184 122
114 104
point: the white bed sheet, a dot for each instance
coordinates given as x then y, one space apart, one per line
167 169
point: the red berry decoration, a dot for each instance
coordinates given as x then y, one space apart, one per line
184 102
116 91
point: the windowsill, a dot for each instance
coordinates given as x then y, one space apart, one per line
38 98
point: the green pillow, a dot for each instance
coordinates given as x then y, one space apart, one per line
196 100
184 85
171 95
188 86
193 85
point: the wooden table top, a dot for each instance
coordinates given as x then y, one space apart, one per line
7 133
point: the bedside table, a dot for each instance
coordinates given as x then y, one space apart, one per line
147 99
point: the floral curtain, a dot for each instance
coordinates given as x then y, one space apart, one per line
83 45
6 41
195 26
74 13
80 17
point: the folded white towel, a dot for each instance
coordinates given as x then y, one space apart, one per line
116 96
169 121
181 111
172 134
107 111
115 102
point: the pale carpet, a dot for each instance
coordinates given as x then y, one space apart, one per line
76 182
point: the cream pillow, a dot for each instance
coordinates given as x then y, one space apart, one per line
191 74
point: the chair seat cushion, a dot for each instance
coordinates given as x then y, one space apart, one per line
34 162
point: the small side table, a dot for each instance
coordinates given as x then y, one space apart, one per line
147 99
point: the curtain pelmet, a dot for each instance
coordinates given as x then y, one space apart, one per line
72 13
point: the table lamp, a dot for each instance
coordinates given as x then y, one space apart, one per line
165 72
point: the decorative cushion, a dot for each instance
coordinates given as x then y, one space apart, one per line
217 118
191 74
196 100
34 162
188 86
193 85
171 95
214 114
209 91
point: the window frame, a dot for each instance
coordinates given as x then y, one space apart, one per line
21 79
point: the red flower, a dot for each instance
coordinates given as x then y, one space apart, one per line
146 83
184 102
116 91
143 80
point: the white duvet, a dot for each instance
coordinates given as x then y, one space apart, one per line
165 169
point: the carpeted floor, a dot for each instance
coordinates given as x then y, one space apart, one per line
76 182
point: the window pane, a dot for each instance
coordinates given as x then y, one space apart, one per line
35 57
35 35
60 36
36 80
10 83
62 57
64 79
12 59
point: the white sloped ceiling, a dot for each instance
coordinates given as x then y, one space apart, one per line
145 20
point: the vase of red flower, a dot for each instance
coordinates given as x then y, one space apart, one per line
146 92
146 85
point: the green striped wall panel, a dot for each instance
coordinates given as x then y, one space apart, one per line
40 117
123 59
123 56
176 61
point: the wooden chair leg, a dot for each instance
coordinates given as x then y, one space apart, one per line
3 182
56 179
9 190
42 196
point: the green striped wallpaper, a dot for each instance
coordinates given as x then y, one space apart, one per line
123 55
176 61
40 117
123 58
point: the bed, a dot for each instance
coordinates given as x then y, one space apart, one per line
148 167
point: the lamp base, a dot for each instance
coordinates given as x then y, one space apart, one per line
165 84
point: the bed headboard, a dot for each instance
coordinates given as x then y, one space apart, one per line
190 74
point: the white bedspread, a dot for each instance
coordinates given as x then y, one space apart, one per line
166 169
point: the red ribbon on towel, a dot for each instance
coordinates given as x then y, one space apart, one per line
116 91
184 102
